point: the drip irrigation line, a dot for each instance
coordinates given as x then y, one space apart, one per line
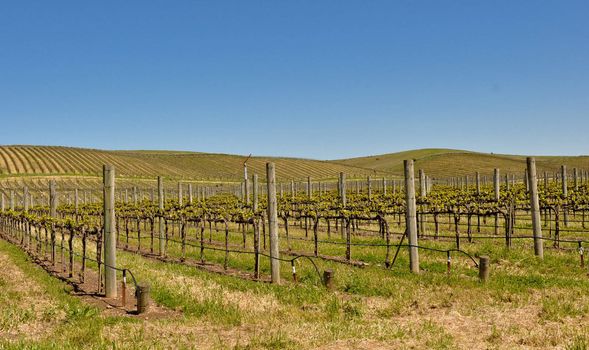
61 246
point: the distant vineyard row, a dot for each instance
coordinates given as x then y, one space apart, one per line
48 160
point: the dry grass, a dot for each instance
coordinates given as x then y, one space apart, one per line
26 312
448 163
220 312
62 161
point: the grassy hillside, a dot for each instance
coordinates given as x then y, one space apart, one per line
389 162
447 162
86 164
82 168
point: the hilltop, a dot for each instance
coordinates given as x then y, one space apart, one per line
82 167
438 162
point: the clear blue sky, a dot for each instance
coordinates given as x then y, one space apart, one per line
319 79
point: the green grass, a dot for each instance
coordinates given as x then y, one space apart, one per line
80 327
449 163
526 302
519 281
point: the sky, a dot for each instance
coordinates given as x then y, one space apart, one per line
316 79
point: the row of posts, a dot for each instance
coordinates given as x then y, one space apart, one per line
244 190
578 177
272 212
27 198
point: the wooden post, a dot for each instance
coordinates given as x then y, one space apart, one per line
575 179
143 291
565 193
256 228
410 216
564 176
384 186
12 200
343 201
180 193
496 184
369 184
535 207
135 196
52 214
273 223
124 290
26 234
2 203
309 188
160 200
478 182
422 191
483 268
110 234
342 188
328 279
246 190
423 194
190 193
25 199
497 193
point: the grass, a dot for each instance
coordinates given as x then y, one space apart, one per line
78 167
16 161
527 302
399 301
38 311
450 163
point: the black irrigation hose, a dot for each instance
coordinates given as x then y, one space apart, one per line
399 245
440 251
474 225
252 253
337 243
441 236
447 251
211 248
122 270
501 237
291 261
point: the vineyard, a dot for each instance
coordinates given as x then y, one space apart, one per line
18 163
373 263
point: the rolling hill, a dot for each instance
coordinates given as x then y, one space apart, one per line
440 163
81 168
